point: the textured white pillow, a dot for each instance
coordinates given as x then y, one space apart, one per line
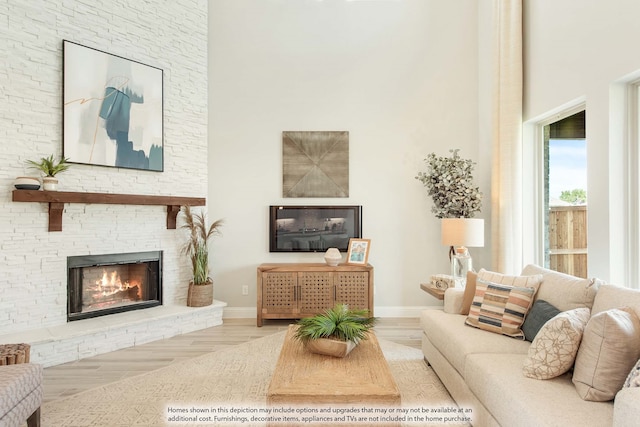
633 380
553 350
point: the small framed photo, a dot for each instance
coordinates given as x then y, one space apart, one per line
358 251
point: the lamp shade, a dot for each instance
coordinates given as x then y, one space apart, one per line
463 232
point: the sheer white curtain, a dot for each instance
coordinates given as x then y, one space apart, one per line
506 178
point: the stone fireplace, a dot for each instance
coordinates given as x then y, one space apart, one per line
99 285
34 279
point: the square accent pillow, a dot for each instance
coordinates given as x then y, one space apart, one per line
554 349
541 312
469 292
500 308
609 349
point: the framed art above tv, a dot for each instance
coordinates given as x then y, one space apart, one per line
313 228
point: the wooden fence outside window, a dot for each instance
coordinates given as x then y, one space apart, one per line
568 239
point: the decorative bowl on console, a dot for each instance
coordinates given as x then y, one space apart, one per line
332 257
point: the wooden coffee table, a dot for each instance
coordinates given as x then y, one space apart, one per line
304 378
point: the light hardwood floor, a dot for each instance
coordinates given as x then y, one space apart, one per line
75 377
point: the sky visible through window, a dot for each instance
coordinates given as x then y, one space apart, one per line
567 166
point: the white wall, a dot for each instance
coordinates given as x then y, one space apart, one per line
168 35
579 53
401 77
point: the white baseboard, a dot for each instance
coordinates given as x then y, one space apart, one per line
385 311
403 311
239 313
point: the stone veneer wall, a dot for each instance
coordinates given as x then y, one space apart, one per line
171 35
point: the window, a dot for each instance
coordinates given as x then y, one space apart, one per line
565 195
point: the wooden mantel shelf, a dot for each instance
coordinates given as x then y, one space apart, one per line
57 199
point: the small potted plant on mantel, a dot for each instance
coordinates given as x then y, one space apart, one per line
200 291
335 332
50 168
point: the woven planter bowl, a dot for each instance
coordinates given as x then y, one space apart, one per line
330 347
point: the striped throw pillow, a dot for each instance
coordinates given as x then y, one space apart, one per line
500 308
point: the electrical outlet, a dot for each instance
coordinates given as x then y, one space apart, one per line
245 290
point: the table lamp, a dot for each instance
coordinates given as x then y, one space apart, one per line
458 234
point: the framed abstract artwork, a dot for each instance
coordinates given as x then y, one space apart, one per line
113 110
315 164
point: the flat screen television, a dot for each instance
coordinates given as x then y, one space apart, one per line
313 228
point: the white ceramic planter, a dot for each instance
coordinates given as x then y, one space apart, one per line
50 183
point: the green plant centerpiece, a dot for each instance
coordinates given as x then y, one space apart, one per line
336 331
197 249
50 168
449 182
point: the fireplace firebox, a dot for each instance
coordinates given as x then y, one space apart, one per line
113 283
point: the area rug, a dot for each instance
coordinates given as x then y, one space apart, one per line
228 387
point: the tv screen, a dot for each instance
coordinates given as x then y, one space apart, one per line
313 228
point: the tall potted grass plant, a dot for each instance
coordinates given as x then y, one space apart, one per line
200 291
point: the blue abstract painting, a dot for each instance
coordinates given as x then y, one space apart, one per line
113 110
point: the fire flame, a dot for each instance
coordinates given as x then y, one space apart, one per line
110 283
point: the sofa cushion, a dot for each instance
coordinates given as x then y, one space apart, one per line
453 300
610 296
500 308
541 312
514 400
448 333
610 347
563 291
626 412
554 349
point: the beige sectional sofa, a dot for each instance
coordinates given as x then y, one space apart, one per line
483 370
